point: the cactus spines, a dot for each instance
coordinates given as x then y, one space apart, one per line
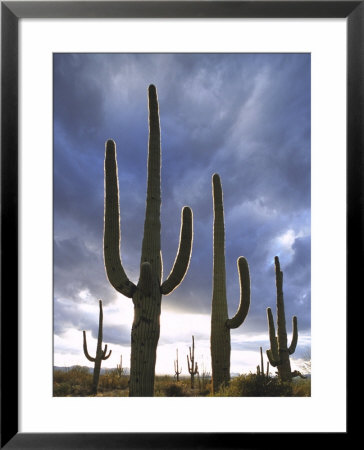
177 368
220 322
147 294
100 354
191 364
278 354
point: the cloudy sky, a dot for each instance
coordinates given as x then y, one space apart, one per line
243 116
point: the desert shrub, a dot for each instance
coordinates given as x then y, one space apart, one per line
112 380
61 389
252 385
76 381
175 390
60 376
301 388
79 390
206 388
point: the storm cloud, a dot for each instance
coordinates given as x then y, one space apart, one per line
243 116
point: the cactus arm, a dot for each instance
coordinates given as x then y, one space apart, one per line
273 352
271 360
151 244
114 269
293 345
101 318
85 348
104 357
182 260
188 364
244 305
146 279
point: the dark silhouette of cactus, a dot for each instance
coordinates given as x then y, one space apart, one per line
260 369
278 354
220 322
119 367
177 369
147 294
192 365
100 354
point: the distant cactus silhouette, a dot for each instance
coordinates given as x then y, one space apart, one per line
278 354
177 369
147 294
220 322
119 367
260 369
100 354
193 367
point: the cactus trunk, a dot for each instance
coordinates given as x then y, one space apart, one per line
220 333
220 322
96 376
148 298
144 341
147 294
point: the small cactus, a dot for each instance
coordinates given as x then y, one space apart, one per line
279 352
119 367
260 369
220 322
177 369
192 365
147 293
100 354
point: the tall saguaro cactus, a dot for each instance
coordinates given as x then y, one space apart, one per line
191 364
147 294
100 354
220 322
177 368
279 352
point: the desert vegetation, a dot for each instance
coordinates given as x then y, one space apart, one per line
77 382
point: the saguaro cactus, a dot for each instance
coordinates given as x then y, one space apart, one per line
220 322
119 367
100 354
278 354
177 369
147 294
192 367
260 369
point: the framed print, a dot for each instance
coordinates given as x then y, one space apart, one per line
257 109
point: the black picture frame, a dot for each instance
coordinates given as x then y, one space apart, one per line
11 12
